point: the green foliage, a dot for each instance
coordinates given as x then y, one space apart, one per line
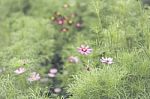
97 84
30 37
121 31
10 90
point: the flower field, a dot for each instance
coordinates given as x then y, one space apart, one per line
75 49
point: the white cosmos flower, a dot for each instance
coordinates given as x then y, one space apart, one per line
107 60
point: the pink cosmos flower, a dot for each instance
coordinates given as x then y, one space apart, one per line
78 25
84 50
57 90
60 21
51 75
34 77
20 70
107 60
53 70
73 59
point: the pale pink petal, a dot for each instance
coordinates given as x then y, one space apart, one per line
34 77
57 90
51 75
53 70
20 70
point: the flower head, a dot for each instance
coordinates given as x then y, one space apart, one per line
70 22
73 59
51 75
78 25
34 77
53 70
60 21
57 90
107 60
20 70
84 50
53 18
66 6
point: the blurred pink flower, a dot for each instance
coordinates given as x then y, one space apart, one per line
53 70
73 59
60 21
84 50
57 90
34 77
107 60
51 75
78 25
20 70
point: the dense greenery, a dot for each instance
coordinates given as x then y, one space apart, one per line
79 49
